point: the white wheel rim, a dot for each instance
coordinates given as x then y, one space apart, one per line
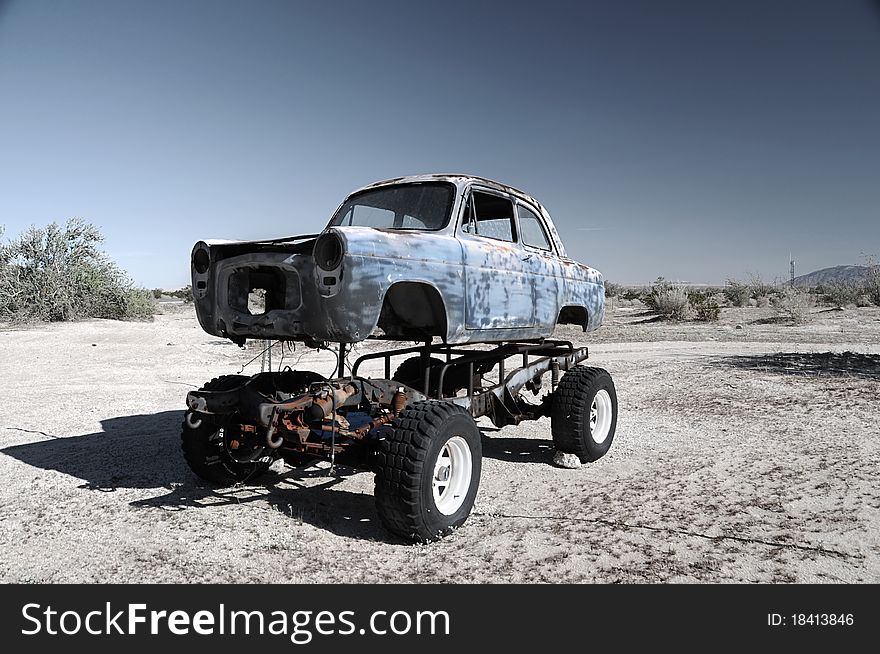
452 475
600 416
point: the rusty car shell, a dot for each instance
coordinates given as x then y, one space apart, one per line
399 284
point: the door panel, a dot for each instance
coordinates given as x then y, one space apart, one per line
498 289
499 293
543 274
541 265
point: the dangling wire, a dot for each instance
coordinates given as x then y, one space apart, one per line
257 356
290 346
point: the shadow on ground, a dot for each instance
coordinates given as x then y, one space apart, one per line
852 364
518 450
143 452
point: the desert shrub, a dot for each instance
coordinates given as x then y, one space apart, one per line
612 289
632 293
60 273
648 295
185 293
704 305
762 301
737 293
792 303
8 278
668 299
157 293
871 285
840 293
758 288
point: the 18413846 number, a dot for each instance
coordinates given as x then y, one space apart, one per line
810 620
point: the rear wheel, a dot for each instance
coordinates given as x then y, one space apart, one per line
217 451
428 470
583 416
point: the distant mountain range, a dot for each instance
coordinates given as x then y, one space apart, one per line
852 274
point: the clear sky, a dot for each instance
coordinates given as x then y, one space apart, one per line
695 140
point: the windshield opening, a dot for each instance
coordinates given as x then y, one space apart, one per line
418 206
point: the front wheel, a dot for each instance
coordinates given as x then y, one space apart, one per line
428 470
218 452
583 415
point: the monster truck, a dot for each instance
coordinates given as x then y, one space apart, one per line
470 269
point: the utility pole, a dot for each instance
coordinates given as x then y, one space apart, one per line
791 266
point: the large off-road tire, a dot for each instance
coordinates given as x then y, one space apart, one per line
412 373
428 470
206 445
583 416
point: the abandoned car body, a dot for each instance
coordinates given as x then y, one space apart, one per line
462 258
447 260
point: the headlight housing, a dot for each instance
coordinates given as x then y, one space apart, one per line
201 260
328 251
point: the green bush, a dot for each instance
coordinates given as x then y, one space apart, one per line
59 273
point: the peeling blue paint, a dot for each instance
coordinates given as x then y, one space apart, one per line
491 290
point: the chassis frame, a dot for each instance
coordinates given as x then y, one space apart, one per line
498 401
301 422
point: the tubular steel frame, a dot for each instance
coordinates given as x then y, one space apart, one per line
552 356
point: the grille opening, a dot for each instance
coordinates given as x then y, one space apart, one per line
256 291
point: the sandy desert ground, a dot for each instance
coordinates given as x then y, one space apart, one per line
746 451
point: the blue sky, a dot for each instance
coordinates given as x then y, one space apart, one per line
694 140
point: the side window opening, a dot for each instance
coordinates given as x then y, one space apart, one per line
490 216
532 231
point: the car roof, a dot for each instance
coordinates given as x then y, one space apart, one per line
460 179
456 178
